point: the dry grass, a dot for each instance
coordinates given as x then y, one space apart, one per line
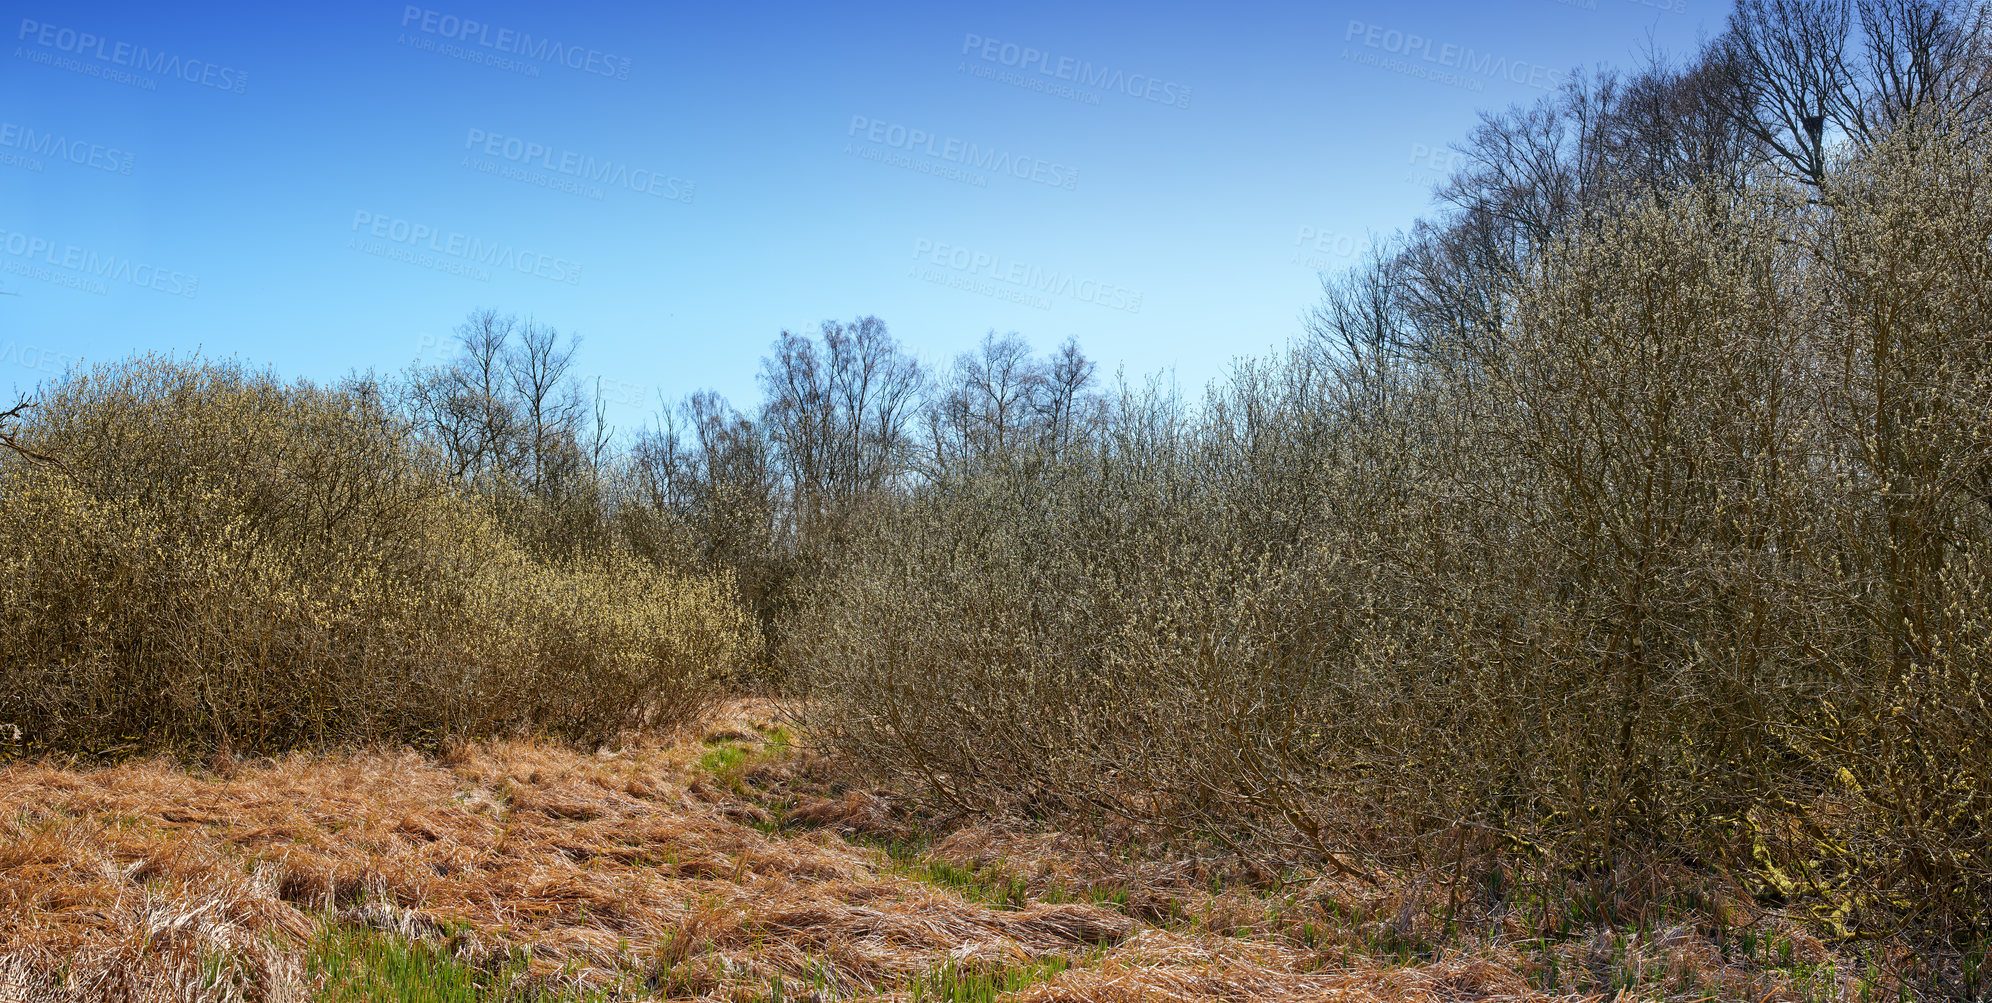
660 871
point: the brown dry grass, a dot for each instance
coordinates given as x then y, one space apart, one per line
633 873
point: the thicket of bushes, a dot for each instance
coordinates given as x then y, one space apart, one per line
1687 560
219 558
1638 510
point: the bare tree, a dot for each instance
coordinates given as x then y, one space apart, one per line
1923 58
478 380
1064 402
1806 77
986 406
1000 401
707 469
550 407
1361 324
838 413
1673 128
463 408
1791 59
603 433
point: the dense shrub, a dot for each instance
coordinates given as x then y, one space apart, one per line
222 558
1685 560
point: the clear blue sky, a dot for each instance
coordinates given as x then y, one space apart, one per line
328 187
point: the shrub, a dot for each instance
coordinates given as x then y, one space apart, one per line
1686 560
222 558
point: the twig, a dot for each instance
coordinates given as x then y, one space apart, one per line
7 437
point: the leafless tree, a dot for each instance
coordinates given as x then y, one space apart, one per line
1674 127
984 407
1000 401
1065 405
708 469
1360 321
1811 70
460 407
1791 57
551 408
838 412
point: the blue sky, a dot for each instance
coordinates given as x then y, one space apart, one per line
330 187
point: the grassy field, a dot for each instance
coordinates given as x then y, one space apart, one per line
730 863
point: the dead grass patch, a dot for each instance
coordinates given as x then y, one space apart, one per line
610 874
